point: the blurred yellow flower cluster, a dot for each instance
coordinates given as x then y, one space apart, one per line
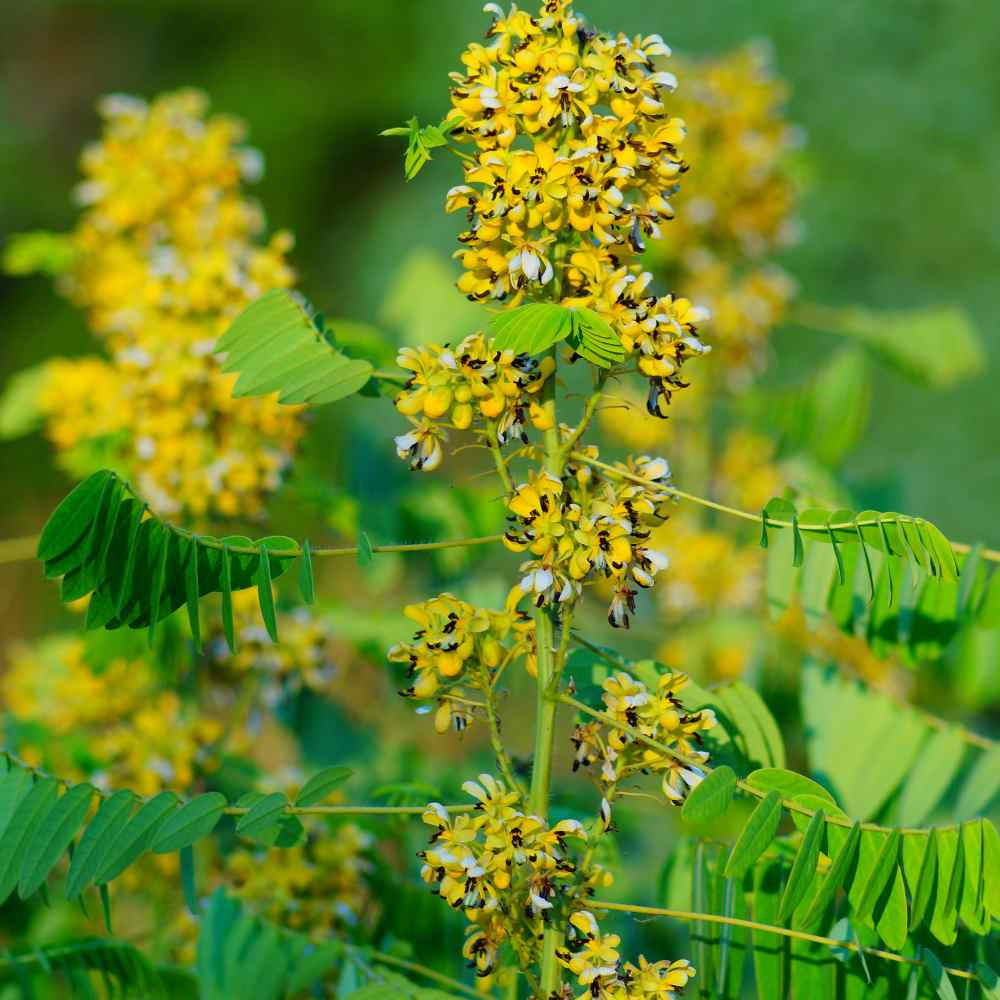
472 383
303 659
166 252
584 527
111 723
739 204
504 868
457 641
659 715
315 887
572 204
594 959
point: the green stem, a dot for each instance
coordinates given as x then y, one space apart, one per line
546 703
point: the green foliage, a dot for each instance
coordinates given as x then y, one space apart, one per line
935 347
537 326
278 345
120 969
40 818
38 252
139 570
420 140
19 410
908 776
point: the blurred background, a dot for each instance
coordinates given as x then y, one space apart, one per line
894 155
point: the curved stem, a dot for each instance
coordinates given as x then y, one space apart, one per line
992 555
422 970
498 459
715 918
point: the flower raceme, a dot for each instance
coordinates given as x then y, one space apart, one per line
457 643
615 753
583 527
508 870
166 252
594 959
576 161
473 382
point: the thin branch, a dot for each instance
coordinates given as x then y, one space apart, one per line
498 459
395 378
993 555
588 413
422 970
317 810
18 549
715 918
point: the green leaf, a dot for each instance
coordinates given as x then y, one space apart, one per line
39 252
194 820
159 582
934 971
20 412
320 785
881 875
22 830
102 890
188 886
756 836
988 980
276 347
226 587
742 711
14 785
950 866
265 596
769 950
991 868
97 840
135 839
787 784
192 590
592 337
365 553
50 841
834 878
532 328
908 340
307 585
71 521
922 889
265 813
931 776
711 797
803 867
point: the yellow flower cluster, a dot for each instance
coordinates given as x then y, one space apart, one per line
472 383
739 205
316 887
582 528
573 204
167 251
111 724
456 640
594 959
510 872
303 659
657 715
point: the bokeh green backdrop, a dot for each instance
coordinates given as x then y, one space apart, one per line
899 102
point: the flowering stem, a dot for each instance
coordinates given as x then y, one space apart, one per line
546 704
715 918
499 751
